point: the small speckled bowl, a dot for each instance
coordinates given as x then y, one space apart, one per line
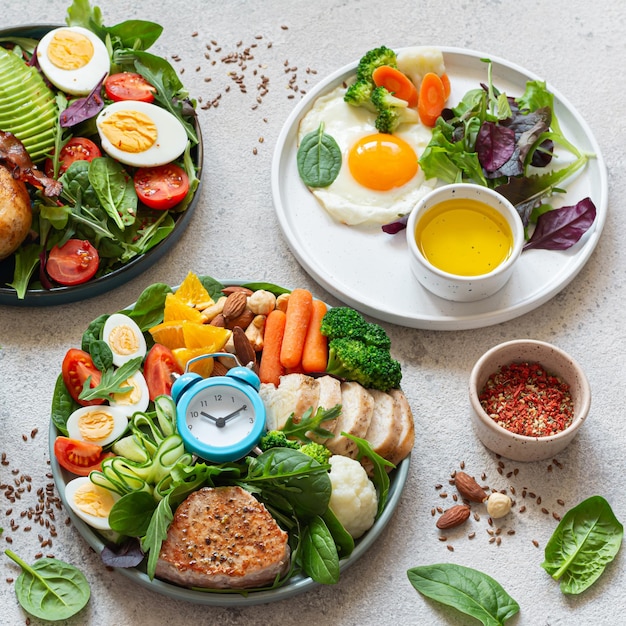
453 286
555 361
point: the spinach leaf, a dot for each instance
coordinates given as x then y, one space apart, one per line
318 158
148 310
468 590
132 513
275 289
342 538
101 355
50 589
93 332
213 286
583 544
63 406
115 190
138 34
319 555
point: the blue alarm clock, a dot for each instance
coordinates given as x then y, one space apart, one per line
220 418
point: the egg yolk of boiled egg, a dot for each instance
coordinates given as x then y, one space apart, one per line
98 424
130 131
90 502
382 162
70 50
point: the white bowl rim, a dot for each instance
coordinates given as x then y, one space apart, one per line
579 418
517 232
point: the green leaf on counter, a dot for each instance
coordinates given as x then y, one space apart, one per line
468 590
586 540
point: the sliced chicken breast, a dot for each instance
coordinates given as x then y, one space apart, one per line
295 394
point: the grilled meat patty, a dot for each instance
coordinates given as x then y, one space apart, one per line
223 538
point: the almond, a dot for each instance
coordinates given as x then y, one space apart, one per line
218 320
243 348
469 488
236 288
454 516
244 320
235 305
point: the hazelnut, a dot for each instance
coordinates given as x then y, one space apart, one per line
261 302
498 505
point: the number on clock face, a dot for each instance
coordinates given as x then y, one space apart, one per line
220 418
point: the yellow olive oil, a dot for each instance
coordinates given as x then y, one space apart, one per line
464 236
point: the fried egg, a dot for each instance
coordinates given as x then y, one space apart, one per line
99 424
73 59
124 337
137 399
90 502
140 134
379 179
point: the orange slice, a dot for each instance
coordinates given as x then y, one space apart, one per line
204 367
169 334
210 338
192 291
178 310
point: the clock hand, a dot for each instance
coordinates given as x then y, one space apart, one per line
234 413
211 417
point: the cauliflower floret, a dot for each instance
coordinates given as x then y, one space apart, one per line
353 498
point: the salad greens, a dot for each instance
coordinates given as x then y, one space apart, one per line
468 590
318 158
50 589
98 202
586 540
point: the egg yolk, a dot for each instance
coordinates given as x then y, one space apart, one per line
69 50
123 340
95 425
130 397
130 131
382 162
94 501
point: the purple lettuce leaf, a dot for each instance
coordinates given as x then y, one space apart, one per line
83 108
128 554
495 145
396 226
561 228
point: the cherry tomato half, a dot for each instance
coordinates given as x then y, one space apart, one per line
161 187
79 457
75 262
76 149
77 367
128 86
158 368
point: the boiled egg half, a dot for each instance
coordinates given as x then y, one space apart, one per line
73 59
140 134
124 337
137 399
90 502
99 424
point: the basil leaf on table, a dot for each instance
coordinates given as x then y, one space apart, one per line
319 159
50 589
583 544
468 590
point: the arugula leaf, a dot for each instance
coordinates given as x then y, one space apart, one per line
468 590
318 158
586 540
112 381
26 260
157 534
310 423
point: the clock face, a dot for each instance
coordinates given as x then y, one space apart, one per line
221 416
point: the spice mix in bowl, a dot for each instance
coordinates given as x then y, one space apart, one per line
528 399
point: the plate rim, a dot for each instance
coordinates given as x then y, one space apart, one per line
295 586
67 294
425 321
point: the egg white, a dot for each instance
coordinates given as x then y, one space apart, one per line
100 523
171 138
115 416
136 400
122 323
345 199
77 82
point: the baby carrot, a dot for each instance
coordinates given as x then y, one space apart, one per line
431 99
445 79
315 351
270 367
296 324
396 82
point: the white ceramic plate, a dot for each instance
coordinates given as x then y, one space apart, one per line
369 270
296 585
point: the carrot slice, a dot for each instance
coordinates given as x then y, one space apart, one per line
315 351
431 99
396 82
445 79
296 324
270 367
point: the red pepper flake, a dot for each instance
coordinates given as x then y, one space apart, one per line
526 400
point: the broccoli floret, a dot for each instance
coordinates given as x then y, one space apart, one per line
392 111
359 95
317 451
373 59
343 321
369 365
276 439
